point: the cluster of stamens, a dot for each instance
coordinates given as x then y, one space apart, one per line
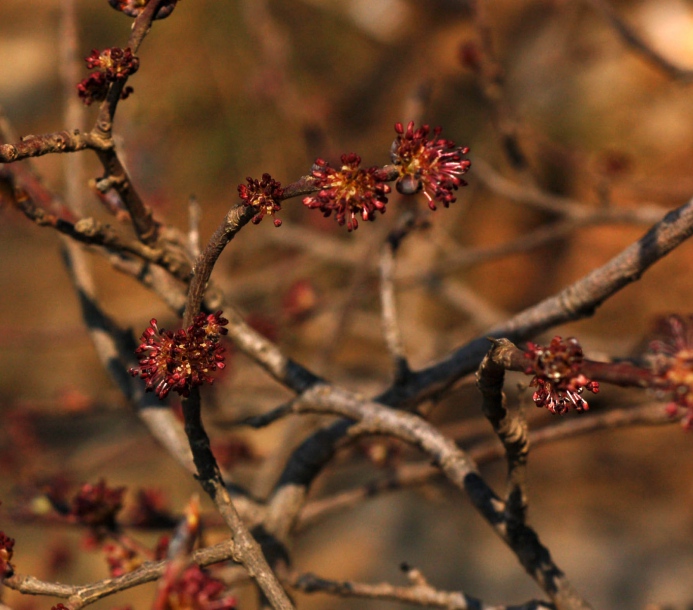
181 360
97 504
671 359
349 192
434 166
557 378
264 195
111 65
6 551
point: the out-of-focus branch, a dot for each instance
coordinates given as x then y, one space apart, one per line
58 142
83 595
461 471
492 82
577 301
391 328
411 475
91 232
419 593
563 206
633 40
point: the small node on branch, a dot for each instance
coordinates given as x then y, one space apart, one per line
349 192
557 375
181 360
264 195
133 8
432 166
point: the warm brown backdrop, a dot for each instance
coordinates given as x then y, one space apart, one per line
226 90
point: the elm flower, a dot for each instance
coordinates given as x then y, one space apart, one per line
671 359
183 359
6 552
434 166
97 504
197 590
133 8
111 65
557 375
349 192
264 195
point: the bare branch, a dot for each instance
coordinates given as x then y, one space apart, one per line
416 594
633 40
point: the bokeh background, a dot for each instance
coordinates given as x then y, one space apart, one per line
234 88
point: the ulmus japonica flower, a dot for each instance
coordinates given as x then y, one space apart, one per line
263 195
349 192
6 551
181 360
111 65
197 590
557 378
97 504
672 362
433 166
121 559
133 8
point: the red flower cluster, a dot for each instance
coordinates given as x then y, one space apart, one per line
151 510
672 362
434 166
181 360
557 375
6 551
134 7
348 192
197 590
264 195
111 65
121 559
97 505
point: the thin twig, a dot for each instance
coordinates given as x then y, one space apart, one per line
416 474
416 594
633 40
390 320
460 469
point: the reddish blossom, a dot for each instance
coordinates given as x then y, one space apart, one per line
300 300
97 504
433 166
197 590
231 451
111 65
121 559
150 510
133 8
672 362
348 192
59 607
93 88
6 551
264 195
557 375
182 360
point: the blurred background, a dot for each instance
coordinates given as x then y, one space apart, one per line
544 92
